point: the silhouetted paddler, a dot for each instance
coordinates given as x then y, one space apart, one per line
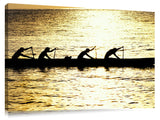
112 52
19 53
44 53
83 53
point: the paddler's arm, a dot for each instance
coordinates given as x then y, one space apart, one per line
26 56
27 48
52 50
119 48
89 56
48 56
116 56
93 48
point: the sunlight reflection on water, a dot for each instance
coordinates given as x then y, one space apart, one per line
62 89
72 31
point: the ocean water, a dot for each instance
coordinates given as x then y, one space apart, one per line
72 31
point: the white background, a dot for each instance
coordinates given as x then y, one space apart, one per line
125 114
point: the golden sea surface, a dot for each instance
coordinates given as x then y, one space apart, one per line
72 31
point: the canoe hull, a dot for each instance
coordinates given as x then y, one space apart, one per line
111 62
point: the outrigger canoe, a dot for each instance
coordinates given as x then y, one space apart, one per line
111 62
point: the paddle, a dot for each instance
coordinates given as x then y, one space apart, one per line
96 53
54 54
123 53
122 57
94 48
32 52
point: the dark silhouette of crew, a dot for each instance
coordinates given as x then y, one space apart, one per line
19 53
112 52
83 53
44 53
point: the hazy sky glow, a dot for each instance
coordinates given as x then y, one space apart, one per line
25 6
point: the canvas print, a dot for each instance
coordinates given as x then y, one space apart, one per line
63 58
